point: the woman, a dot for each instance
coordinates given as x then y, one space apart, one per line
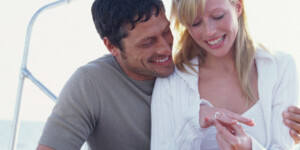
220 68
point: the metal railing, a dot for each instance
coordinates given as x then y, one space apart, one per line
25 73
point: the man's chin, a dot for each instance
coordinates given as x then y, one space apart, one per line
166 73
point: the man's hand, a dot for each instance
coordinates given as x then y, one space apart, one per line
291 118
207 117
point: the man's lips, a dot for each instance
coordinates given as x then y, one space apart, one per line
162 61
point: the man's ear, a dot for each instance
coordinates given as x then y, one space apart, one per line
111 48
239 7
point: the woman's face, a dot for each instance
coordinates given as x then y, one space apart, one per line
215 30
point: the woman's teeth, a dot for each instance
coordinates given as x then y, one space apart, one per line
216 41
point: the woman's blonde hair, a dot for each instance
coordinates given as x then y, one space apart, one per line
183 13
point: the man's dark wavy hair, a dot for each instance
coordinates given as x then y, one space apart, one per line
112 16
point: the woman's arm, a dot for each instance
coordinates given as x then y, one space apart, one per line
175 118
284 96
175 111
162 117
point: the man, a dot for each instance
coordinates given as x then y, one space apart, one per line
107 102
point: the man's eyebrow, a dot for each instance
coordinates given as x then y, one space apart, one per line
151 37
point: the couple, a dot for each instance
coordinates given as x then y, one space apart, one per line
221 78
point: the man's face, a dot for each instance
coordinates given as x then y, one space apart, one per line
147 50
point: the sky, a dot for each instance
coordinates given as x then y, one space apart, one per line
65 38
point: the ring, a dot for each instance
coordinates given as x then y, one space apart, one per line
217 114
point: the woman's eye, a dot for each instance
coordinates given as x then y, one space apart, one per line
219 17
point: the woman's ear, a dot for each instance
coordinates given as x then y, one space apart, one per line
111 48
239 7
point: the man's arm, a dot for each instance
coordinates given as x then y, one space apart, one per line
74 116
43 147
292 120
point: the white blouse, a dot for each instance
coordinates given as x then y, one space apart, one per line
175 107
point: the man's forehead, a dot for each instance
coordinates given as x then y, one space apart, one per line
155 24
159 20
144 18
152 28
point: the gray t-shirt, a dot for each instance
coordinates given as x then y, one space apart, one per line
100 104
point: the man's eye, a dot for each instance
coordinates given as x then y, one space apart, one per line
196 23
147 44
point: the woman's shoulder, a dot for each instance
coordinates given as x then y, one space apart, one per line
174 77
283 57
280 58
177 80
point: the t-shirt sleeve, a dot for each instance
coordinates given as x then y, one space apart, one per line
74 116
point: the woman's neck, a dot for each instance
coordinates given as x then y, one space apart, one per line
225 63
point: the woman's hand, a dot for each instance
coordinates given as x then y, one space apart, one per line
207 116
234 138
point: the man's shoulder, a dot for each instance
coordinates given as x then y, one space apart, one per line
100 69
102 62
103 65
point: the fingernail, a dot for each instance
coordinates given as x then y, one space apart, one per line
293 131
250 120
285 114
291 108
234 121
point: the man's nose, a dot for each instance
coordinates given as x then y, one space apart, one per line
164 46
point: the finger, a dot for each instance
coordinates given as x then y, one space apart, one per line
292 124
226 122
294 109
243 140
224 133
205 119
220 141
229 138
224 119
223 145
291 116
241 119
238 130
295 136
207 122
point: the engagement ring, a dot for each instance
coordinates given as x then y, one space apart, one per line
216 114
